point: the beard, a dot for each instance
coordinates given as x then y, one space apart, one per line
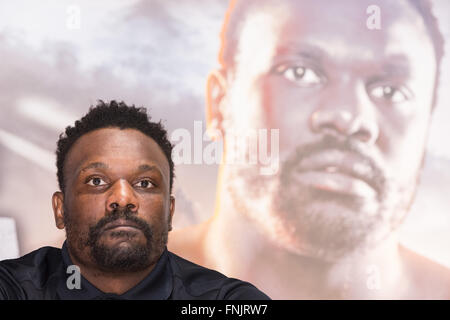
132 257
319 223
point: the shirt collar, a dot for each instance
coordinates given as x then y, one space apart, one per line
157 285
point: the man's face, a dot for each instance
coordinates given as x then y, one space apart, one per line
117 208
353 107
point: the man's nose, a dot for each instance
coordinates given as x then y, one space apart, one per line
347 112
122 195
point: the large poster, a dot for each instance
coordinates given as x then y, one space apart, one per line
310 136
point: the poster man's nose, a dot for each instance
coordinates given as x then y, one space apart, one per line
347 112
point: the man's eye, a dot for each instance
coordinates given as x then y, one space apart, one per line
389 93
144 184
302 76
96 182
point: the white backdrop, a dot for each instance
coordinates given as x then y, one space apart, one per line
156 54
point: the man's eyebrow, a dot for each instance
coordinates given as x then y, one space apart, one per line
398 65
312 53
95 165
304 50
148 167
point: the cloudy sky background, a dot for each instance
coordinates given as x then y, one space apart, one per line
150 53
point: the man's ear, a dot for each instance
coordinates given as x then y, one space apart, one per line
216 88
171 211
58 209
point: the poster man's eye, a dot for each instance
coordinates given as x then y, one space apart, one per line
144 184
301 76
389 93
96 181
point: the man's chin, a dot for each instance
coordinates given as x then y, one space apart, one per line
122 239
331 230
120 247
121 255
334 247
334 254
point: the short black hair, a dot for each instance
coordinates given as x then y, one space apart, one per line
112 115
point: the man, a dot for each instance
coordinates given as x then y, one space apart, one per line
352 102
115 172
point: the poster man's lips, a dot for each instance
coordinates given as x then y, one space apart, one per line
336 169
336 182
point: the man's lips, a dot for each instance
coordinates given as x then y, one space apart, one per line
338 171
121 224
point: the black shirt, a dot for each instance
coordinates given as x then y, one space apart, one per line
42 274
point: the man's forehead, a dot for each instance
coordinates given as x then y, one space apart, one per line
322 11
104 139
113 144
337 27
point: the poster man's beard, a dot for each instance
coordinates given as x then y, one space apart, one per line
323 224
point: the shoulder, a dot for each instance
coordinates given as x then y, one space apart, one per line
188 242
29 271
429 279
193 281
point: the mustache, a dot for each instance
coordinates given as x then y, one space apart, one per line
117 214
377 177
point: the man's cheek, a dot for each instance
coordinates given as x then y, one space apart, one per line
404 162
90 208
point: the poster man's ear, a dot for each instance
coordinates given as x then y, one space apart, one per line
216 88
58 209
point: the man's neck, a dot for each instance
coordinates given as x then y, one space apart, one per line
248 253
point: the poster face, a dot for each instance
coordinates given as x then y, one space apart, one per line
310 137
